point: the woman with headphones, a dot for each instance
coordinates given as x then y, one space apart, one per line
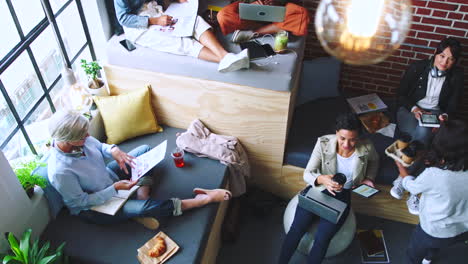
430 86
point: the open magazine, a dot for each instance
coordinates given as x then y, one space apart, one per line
143 164
366 103
183 16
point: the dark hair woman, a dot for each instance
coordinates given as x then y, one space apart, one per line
443 209
336 153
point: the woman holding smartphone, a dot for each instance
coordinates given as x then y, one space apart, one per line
343 152
443 208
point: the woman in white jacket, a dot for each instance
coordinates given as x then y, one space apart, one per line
443 208
344 152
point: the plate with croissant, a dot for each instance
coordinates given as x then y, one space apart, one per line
157 250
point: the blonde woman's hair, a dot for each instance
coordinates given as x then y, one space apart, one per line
67 125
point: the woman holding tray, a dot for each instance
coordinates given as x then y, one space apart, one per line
343 152
443 210
77 169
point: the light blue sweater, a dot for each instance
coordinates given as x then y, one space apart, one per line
83 181
443 208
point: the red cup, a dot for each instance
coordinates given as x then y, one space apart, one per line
178 156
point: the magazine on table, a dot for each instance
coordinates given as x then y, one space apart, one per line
143 164
366 103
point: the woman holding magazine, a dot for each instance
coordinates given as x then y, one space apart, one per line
344 152
77 169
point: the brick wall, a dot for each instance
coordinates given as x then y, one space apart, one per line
432 20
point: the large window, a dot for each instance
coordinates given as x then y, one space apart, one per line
39 38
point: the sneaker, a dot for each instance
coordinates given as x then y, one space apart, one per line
397 190
413 204
234 62
240 36
426 261
148 222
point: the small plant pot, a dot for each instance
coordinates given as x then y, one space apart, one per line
30 192
99 91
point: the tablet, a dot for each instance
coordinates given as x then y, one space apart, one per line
429 120
365 190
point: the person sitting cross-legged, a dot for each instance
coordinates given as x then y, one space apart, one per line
76 168
296 21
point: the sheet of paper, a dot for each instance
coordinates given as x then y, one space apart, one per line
366 103
388 131
185 14
147 161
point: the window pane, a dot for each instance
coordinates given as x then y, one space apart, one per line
17 147
29 13
47 55
22 84
10 35
71 30
7 120
57 4
37 127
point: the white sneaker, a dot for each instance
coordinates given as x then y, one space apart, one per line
397 190
413 204
426 261
240 36
234 62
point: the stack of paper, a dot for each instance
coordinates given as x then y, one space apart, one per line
373 248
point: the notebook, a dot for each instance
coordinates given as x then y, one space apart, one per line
265 13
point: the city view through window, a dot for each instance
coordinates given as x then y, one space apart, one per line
31 63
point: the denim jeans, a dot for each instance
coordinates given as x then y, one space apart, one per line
134 208
303 219
409 124
425 246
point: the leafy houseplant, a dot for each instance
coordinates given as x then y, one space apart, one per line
25 252
92 69
23 171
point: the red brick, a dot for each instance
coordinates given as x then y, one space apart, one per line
416 41
442 14
460 25
417 19
464 8
421 56
422 3
456 1
444 6
448 31
423 11
455 15
425 35
399 66
423 50
407 54
437 22
420 27
434 44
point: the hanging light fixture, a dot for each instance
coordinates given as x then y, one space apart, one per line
362 32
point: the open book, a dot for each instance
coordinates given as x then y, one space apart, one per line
143 164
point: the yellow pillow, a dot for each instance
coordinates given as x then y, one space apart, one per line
127 115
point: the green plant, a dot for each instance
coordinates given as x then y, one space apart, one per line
25 252
24 169
92 69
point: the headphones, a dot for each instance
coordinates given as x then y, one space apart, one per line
436 73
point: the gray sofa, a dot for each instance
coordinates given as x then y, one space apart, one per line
118 243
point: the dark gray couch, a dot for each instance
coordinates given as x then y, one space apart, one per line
118 243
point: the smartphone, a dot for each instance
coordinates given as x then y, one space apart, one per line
365 190
128 45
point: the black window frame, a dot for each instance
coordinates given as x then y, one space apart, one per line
24 45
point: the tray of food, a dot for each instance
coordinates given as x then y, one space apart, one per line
402 151
157 250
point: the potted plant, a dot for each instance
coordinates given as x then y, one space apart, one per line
25 252
95 84
23 171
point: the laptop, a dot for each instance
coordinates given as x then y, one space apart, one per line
322 205
264 13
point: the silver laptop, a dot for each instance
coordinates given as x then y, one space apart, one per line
262 12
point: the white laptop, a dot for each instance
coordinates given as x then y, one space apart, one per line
265 13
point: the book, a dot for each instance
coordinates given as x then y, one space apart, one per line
429 120
366 103
113 205
373 247
143 164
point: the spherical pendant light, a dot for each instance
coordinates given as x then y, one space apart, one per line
362 32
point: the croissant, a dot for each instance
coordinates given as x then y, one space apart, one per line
158 249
